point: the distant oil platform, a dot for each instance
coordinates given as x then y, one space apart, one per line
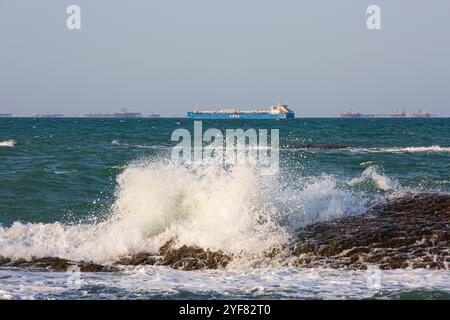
398 114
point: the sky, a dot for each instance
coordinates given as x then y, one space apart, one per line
167 56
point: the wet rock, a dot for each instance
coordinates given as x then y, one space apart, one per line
184 258
138 259
193 258
412 231
53 263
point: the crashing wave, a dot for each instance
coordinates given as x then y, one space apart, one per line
235 210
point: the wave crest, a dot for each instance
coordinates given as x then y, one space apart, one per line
8 143
371 174
423 149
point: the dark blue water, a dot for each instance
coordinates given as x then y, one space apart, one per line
59 167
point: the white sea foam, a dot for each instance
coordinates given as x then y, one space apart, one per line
420 149
139 146
233 210
423 149
8 143
371 174
262 283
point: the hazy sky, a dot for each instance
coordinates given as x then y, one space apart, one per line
166 56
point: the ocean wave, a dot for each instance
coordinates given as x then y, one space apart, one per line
429 149
345 148
143 146
371 174
64 171
359 242
209 217
236 211
8 143
138 146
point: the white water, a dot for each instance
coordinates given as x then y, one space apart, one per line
236 211
264 283
423 149
8 143
370 174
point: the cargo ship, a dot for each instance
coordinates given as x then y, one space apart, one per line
351 114
126 114
5 115
97 115
279 111
397 114
122 114
48 115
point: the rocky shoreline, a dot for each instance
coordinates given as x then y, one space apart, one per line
410 232
407 232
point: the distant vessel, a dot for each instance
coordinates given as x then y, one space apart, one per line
351 114
97 115
48 115
279 111
420 114
122 114
5 115
125 114
154 115
397 114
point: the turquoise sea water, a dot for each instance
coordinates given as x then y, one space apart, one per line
60 178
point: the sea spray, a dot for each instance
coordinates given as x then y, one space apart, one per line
371 175
233 209
205 206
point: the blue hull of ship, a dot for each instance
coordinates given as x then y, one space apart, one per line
193 115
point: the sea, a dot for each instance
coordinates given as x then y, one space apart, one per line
100 189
